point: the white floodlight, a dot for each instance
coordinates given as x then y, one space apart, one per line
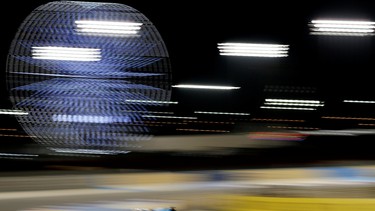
109 28
253 50
341 27
66 53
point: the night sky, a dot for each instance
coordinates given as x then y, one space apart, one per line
335 66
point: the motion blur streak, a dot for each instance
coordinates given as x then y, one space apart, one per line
192 86
73 65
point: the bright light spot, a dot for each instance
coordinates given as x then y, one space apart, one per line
190 86
292 104
339 27
253 50
109 28
13 112
293 101
66 53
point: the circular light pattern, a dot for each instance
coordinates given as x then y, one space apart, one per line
76 68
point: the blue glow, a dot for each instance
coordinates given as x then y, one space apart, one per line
77 85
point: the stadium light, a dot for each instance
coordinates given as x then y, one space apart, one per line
253 50
91 27
66 53
341 27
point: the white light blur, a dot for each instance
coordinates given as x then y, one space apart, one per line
340 27
108 28
13 112
87 118
294 104
18 155
253 50
358 101
89 151
66 53
293 101
191 86
151 101
221 113
169 117
288 108
339 132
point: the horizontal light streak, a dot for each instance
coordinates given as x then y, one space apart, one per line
221 113
363 124
327 133
151 101
168 117
147 112
293 101
66 53
253 50
293 128
339 34
8 129
199 130
209 122
107 27
339 132
278 120
89 151
340 27
87 118
288 108
277 136
291 104
165 123
17 136
192 86
13 112
348 118
358 101
294 104
18 155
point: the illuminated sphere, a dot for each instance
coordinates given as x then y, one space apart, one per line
87 74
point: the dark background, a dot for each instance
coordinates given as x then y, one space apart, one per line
335 68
